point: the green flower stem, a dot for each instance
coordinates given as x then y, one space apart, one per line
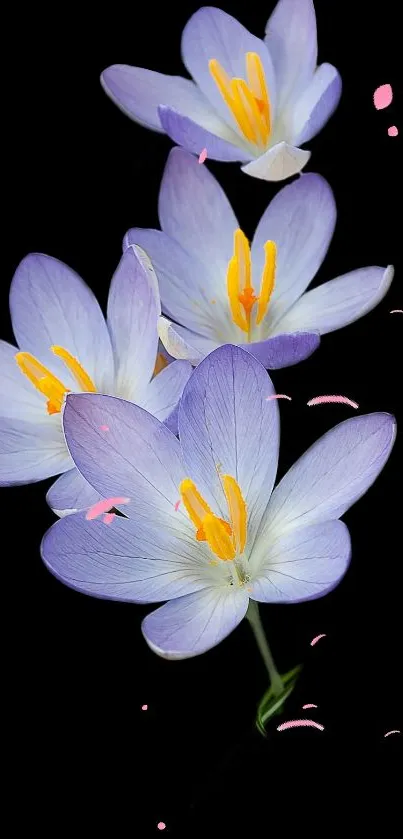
254 619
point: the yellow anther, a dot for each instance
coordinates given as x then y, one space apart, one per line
248 101
82 378
268 278
197 508
225 539
241 295
218 538
237 511
47 383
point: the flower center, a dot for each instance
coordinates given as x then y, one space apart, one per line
241 295
225 539
50 385
249 101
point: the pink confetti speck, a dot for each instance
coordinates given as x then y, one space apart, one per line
319 400
394 311
104 506
393 131
202 156
278 396
316 639
383 96
144 707
308 705
108 518
104 427
297 723
176 505
161 825
394 731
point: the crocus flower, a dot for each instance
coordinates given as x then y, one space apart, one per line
205 531
250 100
218 290
66 346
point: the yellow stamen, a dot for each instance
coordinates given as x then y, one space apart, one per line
241 295
225 539
82 378
218 538
161 363
248 101
237 511
47 383
268 278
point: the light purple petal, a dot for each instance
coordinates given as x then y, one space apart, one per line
132 321
137 458
212 33
193 624
18 397
195 211
332 475
149 268
186 287
227 426
300 220
278 163
302 565
292 43
183 344
194 138
122 561
316 104
71 493
139 92
284 350
51 305
339 302
162 395
30 452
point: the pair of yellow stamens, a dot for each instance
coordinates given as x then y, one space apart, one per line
226 539
241 295
50 385
249 101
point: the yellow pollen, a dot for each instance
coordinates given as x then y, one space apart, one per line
47 383
241 295
248 101
225 539
160 364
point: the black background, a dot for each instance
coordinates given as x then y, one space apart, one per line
76 175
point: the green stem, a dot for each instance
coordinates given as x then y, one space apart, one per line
258 631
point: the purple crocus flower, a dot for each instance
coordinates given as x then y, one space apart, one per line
250 100
66 345
217 290
205 530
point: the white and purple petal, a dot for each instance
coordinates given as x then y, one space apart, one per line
316 104
188 133
292 43
19 399
278 163
71 493
31 451
162 394
183 344
284 350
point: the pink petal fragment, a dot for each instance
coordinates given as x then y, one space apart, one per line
144 707
104 506
383 96
319 400
108 518
394 731
161 825
278 396
104 427
298 723
176 505
316 639
202 156
308 705
393 131
394 311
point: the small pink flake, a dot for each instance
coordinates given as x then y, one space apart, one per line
393 131
161 825
383 96
202 156
278 396
108 518
104 506
309 705
176 505
144 707
104 427
316 639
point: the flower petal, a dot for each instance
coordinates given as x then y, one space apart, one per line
132 321
332 475
188 133
195 211
121 561
212 33
139 92
31 451
339 302
138 457
278 163
18 398
50 304
292 43
300 220
284 350
302 565
227 426
193 624
71 493
162 395
316 104
183 344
